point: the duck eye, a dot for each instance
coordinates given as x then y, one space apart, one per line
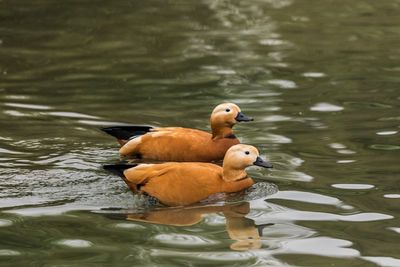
247 152
227 110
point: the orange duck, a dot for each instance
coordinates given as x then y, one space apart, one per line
181 144
177 184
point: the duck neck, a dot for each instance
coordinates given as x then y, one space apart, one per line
221 131
231 175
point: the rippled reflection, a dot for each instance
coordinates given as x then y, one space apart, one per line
241 229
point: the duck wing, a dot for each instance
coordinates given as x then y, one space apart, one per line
176 184
126 132
171 144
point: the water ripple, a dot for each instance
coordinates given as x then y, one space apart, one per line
75 243
285 214
71 115
15 113
130 226
27 106
391 195
9 252
291 175
322 246
69 160
306 197
183 240
326 107
384 147
6 202
314 74
284 84
7 151
4 223
387 132
49 210
274 139
212 256
384 261
395 229
354 186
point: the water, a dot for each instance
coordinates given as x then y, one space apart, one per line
321 80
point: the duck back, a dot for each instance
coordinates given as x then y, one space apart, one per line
178 144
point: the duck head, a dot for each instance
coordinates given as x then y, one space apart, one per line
224 117
238 158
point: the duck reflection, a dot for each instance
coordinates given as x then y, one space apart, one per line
242 230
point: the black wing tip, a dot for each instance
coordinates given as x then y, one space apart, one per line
128 127
118 168
125 132
107 130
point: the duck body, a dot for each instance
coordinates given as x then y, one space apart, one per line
181 144
181 184
178 144
185 183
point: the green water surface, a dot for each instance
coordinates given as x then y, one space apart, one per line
320 78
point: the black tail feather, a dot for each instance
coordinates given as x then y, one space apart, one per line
118 168
126 132
261 227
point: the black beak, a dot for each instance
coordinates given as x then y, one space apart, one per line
260 162
241 117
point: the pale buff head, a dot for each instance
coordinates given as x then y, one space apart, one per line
238 158
224 117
